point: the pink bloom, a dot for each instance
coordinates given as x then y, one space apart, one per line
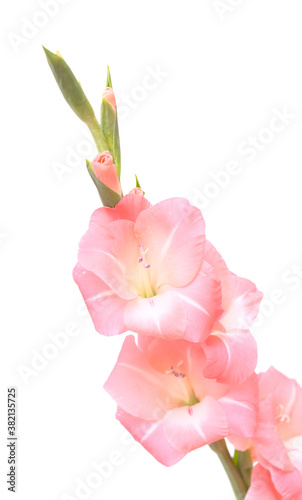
277 443
109 96
167 404
231 349
138 191
104 169
141 268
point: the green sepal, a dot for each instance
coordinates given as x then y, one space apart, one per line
109 125
109 81
74 95
109 197
137 182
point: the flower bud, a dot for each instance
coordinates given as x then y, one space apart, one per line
137 191
105 171
109 96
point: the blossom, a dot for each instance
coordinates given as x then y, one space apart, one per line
105 171
168 405
277 442
141 268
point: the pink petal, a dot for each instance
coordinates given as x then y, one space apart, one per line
202 299
163 316
139 389
262 487
231 357
288 484
131 206
240 297
241 444
294 450
244 306
190 427
151 436
103 216
105 307
173 232
111 252
161 354
240 406
128 208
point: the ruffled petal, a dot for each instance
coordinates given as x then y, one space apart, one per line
191 427
111 252
105 307
151 436
202 299
288 484
163 316
128 208
240 405
262 487
173 233
240 297
231 357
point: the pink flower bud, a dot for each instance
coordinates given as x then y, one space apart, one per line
108 94
138 191
104 169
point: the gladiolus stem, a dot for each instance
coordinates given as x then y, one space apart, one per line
230 468
98 136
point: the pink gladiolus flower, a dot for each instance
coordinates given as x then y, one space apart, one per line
167 404
137 191
141 268
104 169
277 443
108 94
149 269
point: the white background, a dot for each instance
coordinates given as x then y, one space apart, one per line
220 79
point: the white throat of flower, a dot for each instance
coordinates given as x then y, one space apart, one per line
143 284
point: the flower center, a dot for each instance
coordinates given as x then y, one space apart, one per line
191 398
144 287
281 415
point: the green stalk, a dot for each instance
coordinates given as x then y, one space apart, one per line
230 468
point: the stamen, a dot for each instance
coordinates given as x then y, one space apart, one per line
169 371
175 373
282 417
142 257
